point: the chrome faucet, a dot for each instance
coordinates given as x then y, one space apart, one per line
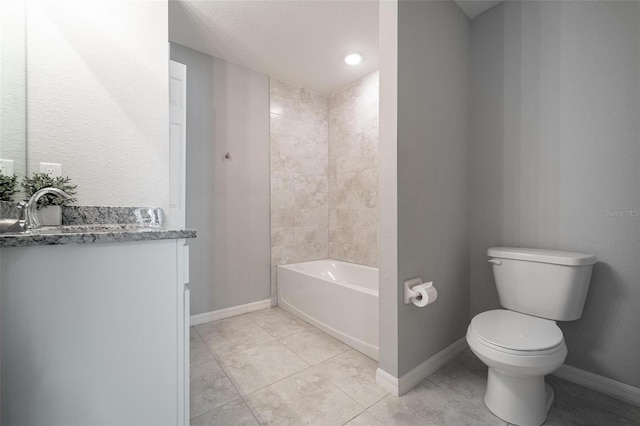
31 215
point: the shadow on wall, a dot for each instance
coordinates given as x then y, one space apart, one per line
598 318
553 145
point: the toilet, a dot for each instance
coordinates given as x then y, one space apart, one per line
522 343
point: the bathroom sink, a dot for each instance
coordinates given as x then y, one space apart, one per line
11 226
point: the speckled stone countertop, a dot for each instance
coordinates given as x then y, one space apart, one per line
56 235
89 224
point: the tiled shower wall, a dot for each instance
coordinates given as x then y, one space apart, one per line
353 173
299 180
324 175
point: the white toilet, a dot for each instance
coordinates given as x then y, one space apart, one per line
522 344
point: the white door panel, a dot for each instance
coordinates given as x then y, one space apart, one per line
178 143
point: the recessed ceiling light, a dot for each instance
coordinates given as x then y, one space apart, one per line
353 58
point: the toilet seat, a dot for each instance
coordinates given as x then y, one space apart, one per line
515 333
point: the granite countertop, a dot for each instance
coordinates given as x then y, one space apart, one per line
55 235
89 224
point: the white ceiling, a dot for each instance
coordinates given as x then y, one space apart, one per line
302 42
474 8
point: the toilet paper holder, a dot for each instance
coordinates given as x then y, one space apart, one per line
409 293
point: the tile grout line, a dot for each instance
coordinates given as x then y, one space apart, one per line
270 334
329 380
279 380
224 370
246 403
213 352
345 392
226 373
451 391
216 408
244 398
388 395
444 386
221 363
298 372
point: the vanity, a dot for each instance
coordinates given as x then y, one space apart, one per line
94 314
95 325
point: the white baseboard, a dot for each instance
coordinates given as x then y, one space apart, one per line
598 383
589 380
229 312
387 382
418 373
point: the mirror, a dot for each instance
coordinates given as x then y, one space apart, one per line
12 88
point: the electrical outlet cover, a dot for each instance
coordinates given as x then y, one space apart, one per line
6 167
52 169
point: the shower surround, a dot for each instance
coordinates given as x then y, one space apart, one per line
324 175
353 173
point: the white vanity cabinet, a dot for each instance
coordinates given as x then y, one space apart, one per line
95 334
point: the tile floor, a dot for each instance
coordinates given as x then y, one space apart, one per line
268 367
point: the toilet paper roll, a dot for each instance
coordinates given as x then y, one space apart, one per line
427 294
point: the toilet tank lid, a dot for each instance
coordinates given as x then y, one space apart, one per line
542 256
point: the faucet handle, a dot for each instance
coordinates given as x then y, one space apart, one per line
21 209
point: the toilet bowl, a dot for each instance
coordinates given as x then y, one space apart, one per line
522 343
519 350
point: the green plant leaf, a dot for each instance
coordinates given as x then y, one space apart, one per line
38 181
8 187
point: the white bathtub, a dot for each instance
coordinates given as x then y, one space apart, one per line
337 297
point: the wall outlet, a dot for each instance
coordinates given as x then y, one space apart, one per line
52 169
6 167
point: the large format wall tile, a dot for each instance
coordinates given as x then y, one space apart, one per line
353 173
299 176
324 175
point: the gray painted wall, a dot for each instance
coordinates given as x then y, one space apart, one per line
433 242
227 201
555 152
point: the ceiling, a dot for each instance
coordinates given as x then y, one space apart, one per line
302 42
474 8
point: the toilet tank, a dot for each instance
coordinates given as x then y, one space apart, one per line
544 283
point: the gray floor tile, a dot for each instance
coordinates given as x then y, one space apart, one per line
314 346
232 335
570 393
364 419
202 420
462 379
235 413
429 404
471 362
199 353
355 375
209 388
304 399
261 365
283 389
573 413
278 322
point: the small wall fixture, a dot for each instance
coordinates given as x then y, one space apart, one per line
419 293
353 58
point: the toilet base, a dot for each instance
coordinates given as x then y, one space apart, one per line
519 400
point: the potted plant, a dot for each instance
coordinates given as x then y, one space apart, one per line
7 187
49 206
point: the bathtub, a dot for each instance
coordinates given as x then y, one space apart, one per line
337 297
